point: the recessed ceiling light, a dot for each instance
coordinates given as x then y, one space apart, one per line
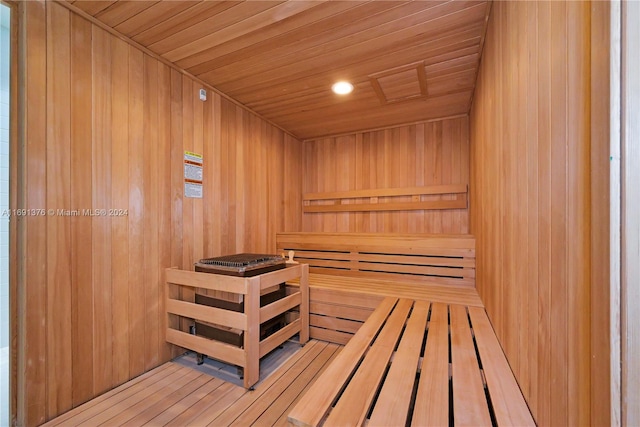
342 88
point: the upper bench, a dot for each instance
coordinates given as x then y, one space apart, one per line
418 258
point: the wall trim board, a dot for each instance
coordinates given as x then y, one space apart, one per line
615 225
107 28
14 130
630 204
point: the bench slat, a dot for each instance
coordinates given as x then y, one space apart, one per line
394 399
469 283
387 267
432 400
340 311
388 258
344 297
508 405
425 291
417 269
335 324
312 408
469 402
354 404
329 335
383 247
335 241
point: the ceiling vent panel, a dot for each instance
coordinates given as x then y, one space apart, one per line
400 84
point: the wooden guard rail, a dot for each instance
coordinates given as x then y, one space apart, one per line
386 199
248 356
442 259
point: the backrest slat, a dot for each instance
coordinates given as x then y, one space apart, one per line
436 258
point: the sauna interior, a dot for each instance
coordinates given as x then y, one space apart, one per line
472 121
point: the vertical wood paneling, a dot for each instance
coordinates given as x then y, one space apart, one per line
32 230
177 173
136 213
544 211
58 249
559 206
187 145
244 178
531 226
106 127
150 228
198 141
290 210
601 356
164 199
177 176
579 210
120 200
101 223
417 155
81 196
531 189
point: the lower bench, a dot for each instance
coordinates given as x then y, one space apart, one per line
415 363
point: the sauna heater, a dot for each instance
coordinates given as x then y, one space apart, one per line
239 265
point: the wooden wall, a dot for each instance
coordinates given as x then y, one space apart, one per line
424 154
532 140
105 126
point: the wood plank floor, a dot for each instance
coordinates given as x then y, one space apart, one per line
175 395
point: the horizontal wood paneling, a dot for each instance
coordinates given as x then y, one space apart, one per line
106 127
425 154
280 58
531 139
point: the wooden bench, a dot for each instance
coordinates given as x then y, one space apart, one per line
341 299
408 258
415 362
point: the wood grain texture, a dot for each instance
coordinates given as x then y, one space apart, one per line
532 137
433 388
468 391
58 248
408 156
462 378
106 127
101 225
32 300
280 58
81 194
120 198
395 394
403 258
601 342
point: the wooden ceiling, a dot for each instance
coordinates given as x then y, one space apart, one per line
280 58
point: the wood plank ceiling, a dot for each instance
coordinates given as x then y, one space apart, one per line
280 58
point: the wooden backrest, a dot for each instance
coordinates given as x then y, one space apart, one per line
435 258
